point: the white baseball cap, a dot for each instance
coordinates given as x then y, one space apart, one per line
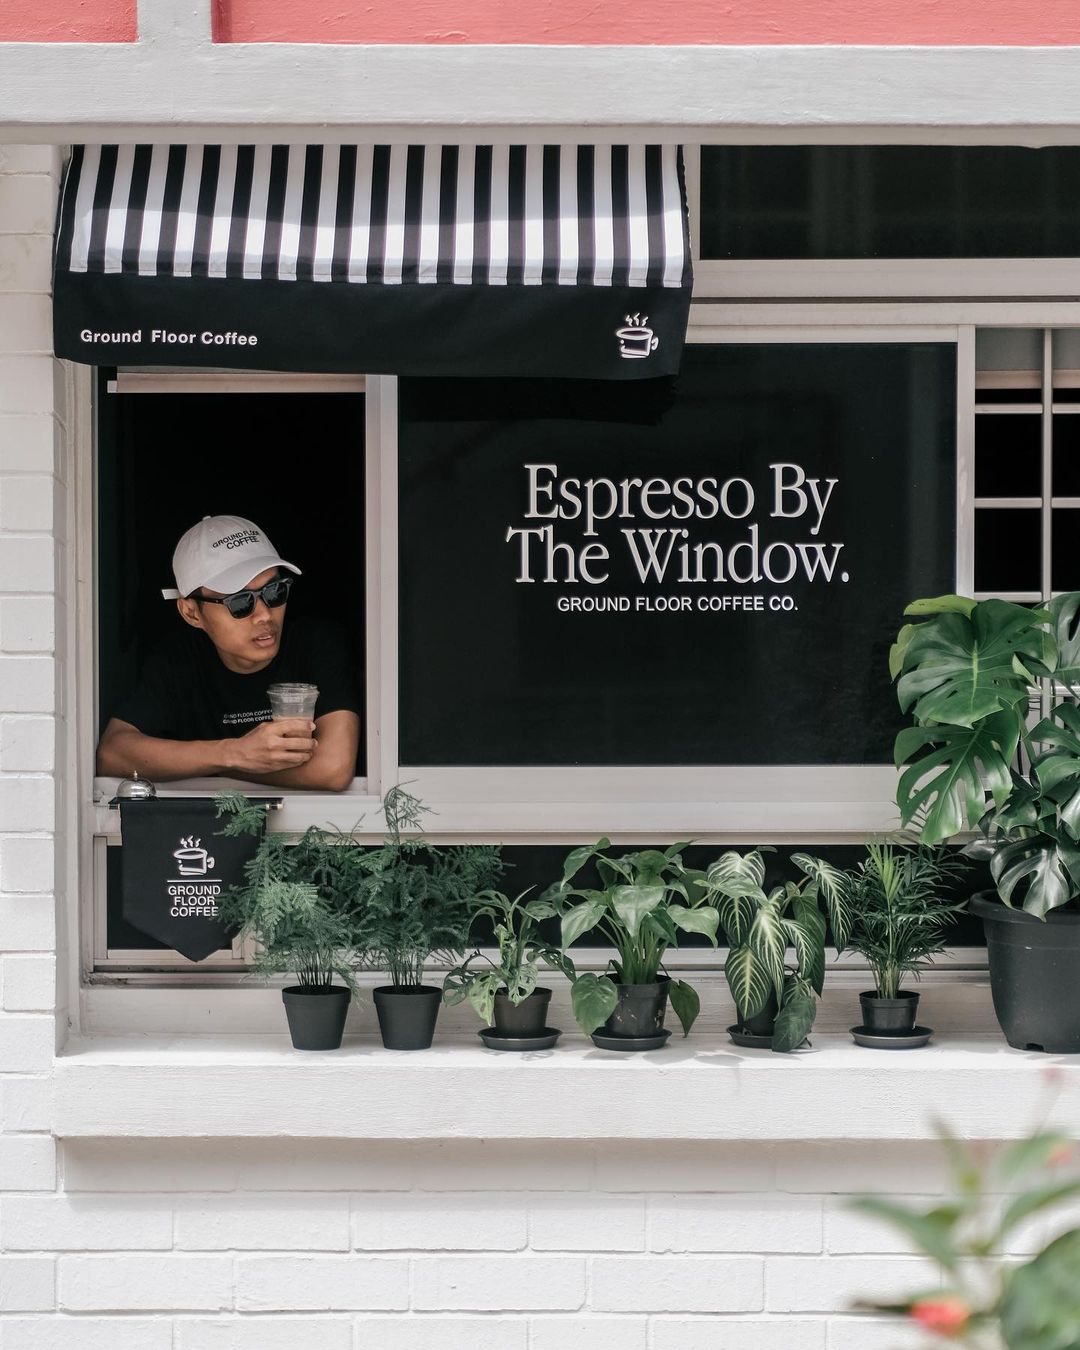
223 553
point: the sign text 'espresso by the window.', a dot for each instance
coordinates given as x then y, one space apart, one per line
657 523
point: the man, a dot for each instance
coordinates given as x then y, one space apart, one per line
202 706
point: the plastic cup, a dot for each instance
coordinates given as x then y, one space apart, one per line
292 700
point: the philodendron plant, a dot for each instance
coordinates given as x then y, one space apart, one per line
644 900
521 949
966 674
763 926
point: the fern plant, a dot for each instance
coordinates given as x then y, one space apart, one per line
409 901
294 924
762 926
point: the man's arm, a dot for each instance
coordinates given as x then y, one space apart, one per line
332 766
268 749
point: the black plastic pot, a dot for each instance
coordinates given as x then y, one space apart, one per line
527 1018
407 1015
889 1016
1034 974
762 1023
316 1016
640 1009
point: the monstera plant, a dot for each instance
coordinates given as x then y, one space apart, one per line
968 672
776 960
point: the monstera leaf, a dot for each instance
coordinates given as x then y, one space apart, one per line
1048 863
958 670
946 787
1064 611
1057 768
938 604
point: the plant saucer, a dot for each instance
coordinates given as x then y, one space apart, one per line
501 1040
883 1040
749 1040
604 1040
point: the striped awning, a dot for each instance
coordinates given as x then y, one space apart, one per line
550 260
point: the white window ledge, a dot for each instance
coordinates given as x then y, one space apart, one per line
700 1089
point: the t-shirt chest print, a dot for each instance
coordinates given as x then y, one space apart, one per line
245 719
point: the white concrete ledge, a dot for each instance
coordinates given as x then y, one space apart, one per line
149 90
700 1089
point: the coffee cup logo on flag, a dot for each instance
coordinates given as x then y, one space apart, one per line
175 866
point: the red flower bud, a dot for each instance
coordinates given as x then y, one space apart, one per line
945 1316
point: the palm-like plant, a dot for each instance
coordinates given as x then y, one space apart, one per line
966 674
762 926
899 916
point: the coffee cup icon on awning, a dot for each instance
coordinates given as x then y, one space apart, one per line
636 340
192 858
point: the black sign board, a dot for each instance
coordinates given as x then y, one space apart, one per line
598 580
176 865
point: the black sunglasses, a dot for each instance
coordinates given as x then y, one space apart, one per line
242 603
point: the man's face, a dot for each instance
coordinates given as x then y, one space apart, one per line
244 645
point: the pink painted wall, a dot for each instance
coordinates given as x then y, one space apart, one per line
1025 23
68 21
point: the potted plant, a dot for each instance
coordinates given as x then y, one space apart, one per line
986 1300
295 925
967 673
644 900
776 995
411 902
505 991
899 918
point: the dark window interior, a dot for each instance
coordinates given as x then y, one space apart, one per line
293 463
889 201
492 671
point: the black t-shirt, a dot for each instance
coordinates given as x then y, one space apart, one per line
186 692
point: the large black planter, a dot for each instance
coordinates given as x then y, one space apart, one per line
407 1015
316 1016
527 1018
889 1016
1034 974
639 1011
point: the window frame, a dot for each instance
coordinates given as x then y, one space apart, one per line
859 280
803 301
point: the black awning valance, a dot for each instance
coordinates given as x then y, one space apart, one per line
554 260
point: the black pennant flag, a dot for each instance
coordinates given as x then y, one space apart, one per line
176 866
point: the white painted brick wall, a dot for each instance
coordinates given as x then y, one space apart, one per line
279 1244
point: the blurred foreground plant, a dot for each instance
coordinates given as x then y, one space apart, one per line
986 1301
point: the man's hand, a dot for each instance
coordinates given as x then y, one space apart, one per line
271 746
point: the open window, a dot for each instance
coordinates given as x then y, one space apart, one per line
287 452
